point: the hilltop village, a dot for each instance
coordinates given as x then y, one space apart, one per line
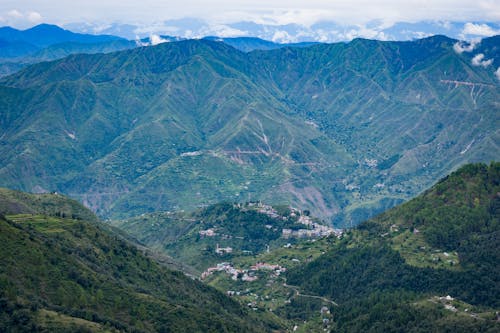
311 230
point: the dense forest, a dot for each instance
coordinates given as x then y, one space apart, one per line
373 272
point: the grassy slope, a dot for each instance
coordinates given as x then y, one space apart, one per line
63 274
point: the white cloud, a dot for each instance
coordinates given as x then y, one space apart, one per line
155 40
479 30
156 28
222 30
364 32
417 34
497 73
101 27
14 13
445 24
461 47
281 36
34 17
15 17
321 35
478 60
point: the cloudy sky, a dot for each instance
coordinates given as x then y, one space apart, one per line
281 20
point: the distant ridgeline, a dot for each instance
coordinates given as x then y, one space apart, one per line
20 48
345 130
60 271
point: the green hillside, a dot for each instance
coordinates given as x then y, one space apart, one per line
393 273
62 273
247 229
345 130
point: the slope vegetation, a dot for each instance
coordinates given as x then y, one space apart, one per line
59 272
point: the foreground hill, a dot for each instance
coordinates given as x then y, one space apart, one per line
428 265
345 130
62 272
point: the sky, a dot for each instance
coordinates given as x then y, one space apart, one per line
279 20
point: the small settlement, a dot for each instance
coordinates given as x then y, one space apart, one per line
311 229
246 275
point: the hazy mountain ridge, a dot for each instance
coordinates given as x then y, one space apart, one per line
44 35
45 42
20 48
348 128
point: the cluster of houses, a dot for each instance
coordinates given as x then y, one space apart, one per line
315 230
223 250
222 267
246 275
268 210
277 269
208 233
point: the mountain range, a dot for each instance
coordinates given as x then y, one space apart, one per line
285 32
45 42
345 130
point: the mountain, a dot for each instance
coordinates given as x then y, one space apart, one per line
44 35
49 42
61 50
61 271
13 49
429 264
322 31
345 130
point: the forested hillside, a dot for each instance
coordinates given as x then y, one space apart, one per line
430 264
61 272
